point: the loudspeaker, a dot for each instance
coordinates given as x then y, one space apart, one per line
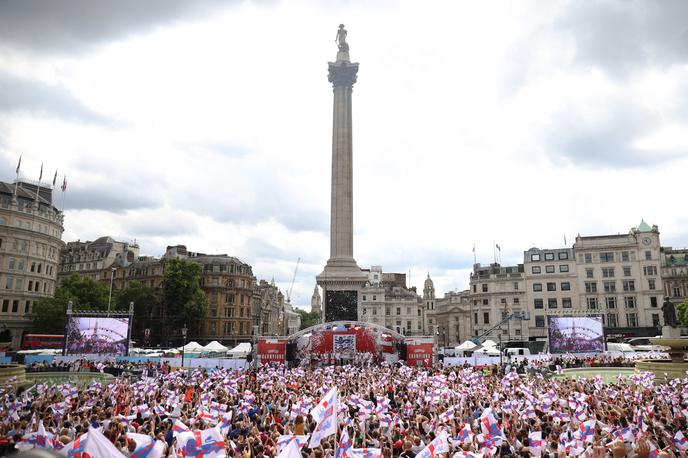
291 351
402 351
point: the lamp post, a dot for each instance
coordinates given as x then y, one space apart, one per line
184 331
112 278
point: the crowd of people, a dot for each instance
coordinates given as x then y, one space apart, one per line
380 411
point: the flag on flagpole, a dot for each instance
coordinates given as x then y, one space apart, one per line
55 178
19 164
40 177
497 245
64 183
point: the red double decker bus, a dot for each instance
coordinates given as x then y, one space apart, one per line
42 341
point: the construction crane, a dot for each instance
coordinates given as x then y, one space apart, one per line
293 279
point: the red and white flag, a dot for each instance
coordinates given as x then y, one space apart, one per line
439 445
325 413
208 443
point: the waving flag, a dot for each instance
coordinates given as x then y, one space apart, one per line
680 441
98 445
365 453
283 441
292 450
146 446
325 413
179 428
202 444
75 448
489 425
535 442
40 439
439 445
465 435
587 430
225 423
344 445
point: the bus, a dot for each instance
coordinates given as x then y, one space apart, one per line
42 341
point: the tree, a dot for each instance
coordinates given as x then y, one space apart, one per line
49 314
308 319
145 304
182 296
682 313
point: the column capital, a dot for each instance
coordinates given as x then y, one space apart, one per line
342 73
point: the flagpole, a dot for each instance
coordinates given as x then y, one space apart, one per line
38 188
16 181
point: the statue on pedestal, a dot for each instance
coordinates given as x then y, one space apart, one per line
341 39
669 312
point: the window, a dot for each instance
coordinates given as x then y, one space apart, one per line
33 267
629 285
552 303
549 256
475 288
12 265
629 302
503 301
648 255
408 310
653 301
551 286
590 287
515 300
632 319
607 257
563 268
608 272
486 317
538 304
398 311
539 321
651 283
549 269
518 332
610 302
627 271
374 311
387 311
588 273
374 297
563 255
536 269
475 318
485 302
624 256
535 257
647 270
504 315
537 286
588 258
565 286
515 286
15 306
408 325
655 319
364 297
9 283
566 303
609 286
484 287
592 303
27 307
612 320
677 291
5 305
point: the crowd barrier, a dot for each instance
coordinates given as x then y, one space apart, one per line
174 362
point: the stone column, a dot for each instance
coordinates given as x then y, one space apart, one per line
342 75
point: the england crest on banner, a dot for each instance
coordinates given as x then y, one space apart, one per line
344 343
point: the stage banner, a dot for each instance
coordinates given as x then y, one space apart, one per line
419 354
271 351
344 343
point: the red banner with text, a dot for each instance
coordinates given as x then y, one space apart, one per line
419 354
272 351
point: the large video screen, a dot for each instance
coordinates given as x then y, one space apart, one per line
97 335
579 334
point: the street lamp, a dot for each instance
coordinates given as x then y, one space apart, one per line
184 331
112 278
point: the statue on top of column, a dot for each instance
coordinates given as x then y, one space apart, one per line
341 39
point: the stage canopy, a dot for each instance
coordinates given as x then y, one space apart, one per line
467 345
241 350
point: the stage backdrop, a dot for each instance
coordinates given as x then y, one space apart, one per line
97 335
575 334
360 339
419 354
271 351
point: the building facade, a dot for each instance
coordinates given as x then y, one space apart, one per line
93 259
268 309
31 230
674 265
452 316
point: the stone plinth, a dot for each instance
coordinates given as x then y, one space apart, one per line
677 367
12 374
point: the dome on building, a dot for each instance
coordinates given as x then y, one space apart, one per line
428 283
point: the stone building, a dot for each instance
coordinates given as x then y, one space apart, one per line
551 287
268 309
95 259
674 273
386 300
496 291
619 277
452 315
30 242
316 301
429 323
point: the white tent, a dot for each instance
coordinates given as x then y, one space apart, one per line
240 351
467 345
489 343
192 347
215 347
490 351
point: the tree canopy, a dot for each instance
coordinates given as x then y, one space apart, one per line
184 300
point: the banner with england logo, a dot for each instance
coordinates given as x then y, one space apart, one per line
344 343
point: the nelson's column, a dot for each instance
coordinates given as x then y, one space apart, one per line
342 279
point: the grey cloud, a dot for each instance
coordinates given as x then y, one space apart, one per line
115 197
25 96
71 25
619 35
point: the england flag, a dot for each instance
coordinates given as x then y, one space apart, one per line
325 413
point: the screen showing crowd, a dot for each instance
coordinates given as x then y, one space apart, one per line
91 335
581 334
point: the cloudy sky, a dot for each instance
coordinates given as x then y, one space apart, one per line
208 123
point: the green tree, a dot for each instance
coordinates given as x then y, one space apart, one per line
308 319
49 314
682 313
145 308
182 296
